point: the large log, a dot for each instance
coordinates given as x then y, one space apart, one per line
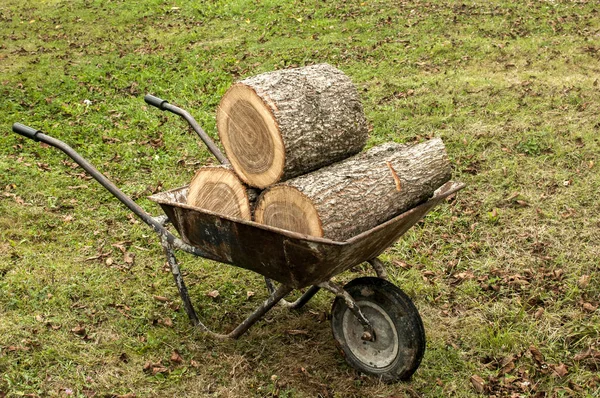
218 189
354 195
281 124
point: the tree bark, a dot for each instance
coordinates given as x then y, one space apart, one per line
357 194
282 124
218 189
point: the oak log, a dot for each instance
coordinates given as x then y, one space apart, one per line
356 194
218 189
282 124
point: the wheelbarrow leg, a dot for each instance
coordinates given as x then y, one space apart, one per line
183 292
275 297
296 305
379 268
272 300
339 291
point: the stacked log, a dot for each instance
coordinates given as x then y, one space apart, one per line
282 124
218 189
297 132
357 194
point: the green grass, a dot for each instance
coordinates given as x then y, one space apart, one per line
511 87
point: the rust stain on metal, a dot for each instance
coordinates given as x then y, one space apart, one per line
395 175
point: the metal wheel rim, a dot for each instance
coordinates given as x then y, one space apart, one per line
377 354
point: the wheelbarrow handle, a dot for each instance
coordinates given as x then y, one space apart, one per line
39 136
155 101
157 223
26 131
164 105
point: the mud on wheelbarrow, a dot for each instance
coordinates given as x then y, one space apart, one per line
374 323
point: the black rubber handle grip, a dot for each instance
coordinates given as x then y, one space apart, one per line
155 101
25 131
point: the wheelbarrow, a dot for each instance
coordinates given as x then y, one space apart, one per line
375 324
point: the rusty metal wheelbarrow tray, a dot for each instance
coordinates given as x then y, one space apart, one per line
287 257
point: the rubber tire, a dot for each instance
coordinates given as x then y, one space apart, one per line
402 313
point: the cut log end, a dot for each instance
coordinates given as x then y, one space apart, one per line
219 190
246 123
287 208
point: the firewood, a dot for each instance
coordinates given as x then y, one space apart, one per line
282 124
218 189
356 194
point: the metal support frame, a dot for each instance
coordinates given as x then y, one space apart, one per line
352 306
274 298
379 268
300 302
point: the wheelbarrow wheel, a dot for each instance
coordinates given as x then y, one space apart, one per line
399 342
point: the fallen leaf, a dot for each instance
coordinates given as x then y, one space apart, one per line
539 313
194 364
159 369
507 365
213 294
589 353
167 322
79 330
128 258
161 299
109 261
176 357
250 294
560 370
537 355
295 332
589 307
583 281
478 383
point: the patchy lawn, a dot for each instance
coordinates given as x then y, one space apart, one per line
505 275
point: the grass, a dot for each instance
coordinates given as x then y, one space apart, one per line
507 269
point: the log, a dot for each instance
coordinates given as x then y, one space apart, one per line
282 124
356 194
218 189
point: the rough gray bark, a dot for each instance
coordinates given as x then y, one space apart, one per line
358 193
316 112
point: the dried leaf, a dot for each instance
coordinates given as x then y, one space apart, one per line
295 332
583 281
589 353
176 357
194 364
589 307
507 365
537 355
109 261
161 299
159 369
129 258
167 322
250 294
213 294
478 383
79 330
539 313
559 370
